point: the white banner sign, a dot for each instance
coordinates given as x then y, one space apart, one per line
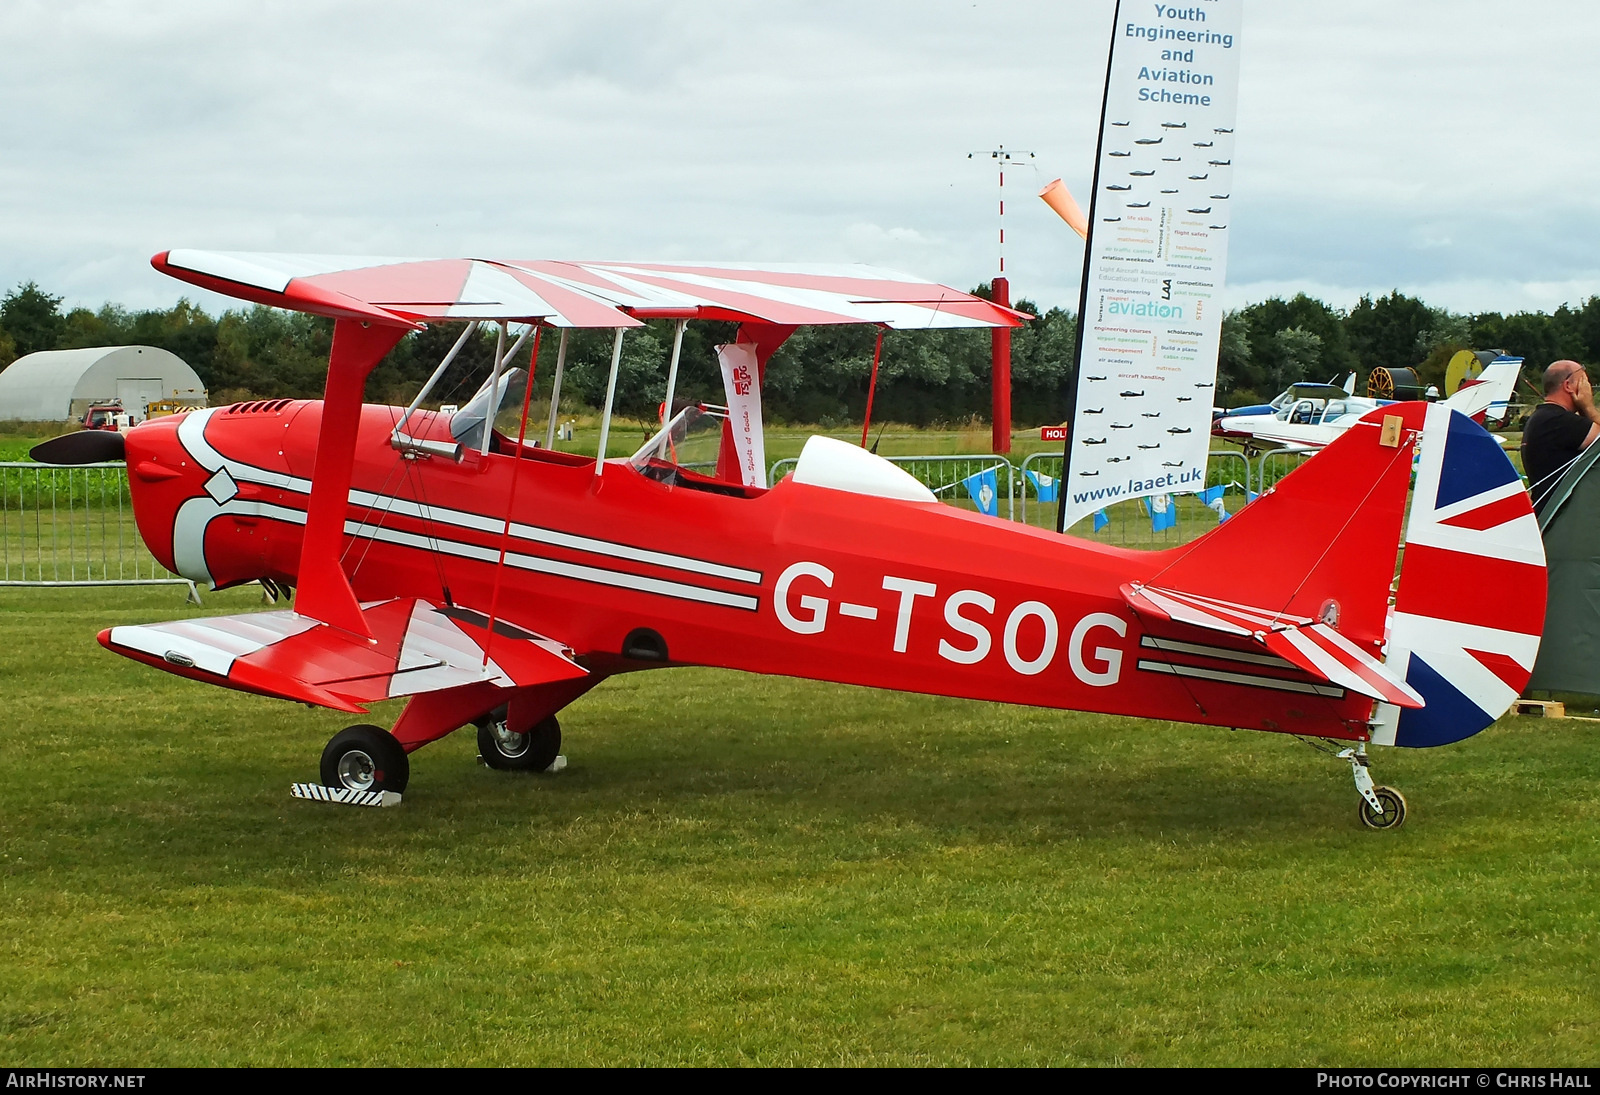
1158 247
741 380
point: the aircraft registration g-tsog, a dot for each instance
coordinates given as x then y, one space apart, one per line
492 581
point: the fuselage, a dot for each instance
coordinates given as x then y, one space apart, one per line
635 567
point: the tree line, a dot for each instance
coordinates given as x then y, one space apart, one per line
820 376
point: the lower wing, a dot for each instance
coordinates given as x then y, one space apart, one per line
418 647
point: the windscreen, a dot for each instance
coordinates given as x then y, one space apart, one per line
691 439
467 424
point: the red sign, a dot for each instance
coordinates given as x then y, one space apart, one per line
1052 433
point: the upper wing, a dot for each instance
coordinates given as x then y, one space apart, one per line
417 647
581 294
1296 641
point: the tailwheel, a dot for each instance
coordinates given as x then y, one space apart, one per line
533 751
1391 813
365 758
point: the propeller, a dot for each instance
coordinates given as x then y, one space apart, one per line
83 447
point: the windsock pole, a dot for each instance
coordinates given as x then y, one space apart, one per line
1000 345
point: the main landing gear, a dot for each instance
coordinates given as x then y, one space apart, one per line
365 758
368 766
368 758
534 751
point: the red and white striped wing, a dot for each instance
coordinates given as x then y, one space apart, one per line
418 647
1323 652
581 294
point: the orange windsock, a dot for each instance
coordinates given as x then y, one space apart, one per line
1059 198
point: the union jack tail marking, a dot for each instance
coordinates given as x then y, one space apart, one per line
1470 607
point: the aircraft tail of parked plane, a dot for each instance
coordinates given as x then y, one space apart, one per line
1487 397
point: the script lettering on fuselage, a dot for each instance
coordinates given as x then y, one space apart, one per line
1029 632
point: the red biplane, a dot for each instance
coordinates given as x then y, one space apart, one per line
493 580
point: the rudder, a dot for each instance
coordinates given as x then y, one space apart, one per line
1470 606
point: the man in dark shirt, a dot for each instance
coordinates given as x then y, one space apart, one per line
1559 429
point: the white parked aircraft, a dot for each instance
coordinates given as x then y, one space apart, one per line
1304 424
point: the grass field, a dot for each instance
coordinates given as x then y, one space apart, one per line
755 870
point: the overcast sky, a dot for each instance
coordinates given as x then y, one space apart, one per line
1442 147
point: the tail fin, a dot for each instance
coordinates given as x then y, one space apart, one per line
1464 628
1470 606
1322 543
1489 395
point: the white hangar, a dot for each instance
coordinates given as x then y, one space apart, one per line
60 384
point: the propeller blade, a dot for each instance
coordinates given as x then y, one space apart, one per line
83 447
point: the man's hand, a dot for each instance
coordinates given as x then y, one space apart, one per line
1583 395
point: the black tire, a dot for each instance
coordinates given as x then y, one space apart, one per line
531 752
365 758
1394 810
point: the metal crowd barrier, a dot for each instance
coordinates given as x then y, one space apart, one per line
947 477
1131 523
73 527
1274 464
1126 524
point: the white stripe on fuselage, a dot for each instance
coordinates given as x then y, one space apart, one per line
538 564
1273 683
575 571
191 432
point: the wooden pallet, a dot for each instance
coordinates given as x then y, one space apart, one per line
1541 709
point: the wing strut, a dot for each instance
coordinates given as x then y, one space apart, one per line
324 592
611 398
511 499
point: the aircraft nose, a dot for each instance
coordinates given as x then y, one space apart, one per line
161 477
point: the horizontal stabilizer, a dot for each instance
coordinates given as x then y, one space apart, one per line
417 647
1310 646
1323 652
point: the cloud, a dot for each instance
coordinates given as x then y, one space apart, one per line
1431 144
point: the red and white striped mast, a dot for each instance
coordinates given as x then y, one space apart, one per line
1000 352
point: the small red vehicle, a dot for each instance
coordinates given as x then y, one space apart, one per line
106 416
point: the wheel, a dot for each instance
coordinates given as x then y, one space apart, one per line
534 751
1394 809
365 758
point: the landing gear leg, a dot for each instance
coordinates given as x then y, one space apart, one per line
1380 807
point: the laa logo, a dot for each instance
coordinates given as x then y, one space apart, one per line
970 638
